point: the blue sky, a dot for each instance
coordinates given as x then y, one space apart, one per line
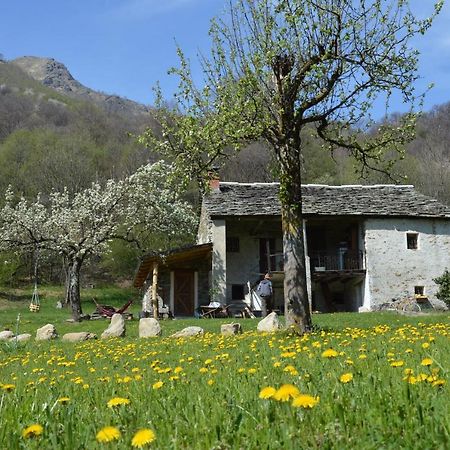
124 47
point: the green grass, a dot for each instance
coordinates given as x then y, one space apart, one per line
209 387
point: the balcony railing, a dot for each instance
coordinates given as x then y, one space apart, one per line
341 260
322 261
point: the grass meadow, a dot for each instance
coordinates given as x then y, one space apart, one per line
359 381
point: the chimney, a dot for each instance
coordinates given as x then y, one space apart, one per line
214 179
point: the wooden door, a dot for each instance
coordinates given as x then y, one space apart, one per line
184 293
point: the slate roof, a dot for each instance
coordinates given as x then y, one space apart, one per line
261 199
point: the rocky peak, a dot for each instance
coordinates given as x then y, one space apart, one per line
55 75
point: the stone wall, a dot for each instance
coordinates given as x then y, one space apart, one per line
393 270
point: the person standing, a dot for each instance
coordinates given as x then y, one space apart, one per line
265 291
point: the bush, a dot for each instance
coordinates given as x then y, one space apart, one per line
444 287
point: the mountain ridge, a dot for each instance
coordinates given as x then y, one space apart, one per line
55 75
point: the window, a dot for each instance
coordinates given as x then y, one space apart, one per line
233 244
412 240
237 292
419 290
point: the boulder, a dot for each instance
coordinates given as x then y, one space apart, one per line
21 337
188 332
116 327
5 335
46 333
80 336
149 327
228 329
269 324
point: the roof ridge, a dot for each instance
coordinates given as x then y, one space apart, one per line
334 186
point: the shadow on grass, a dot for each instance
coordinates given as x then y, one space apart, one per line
14 297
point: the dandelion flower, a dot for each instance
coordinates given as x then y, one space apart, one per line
143 437
426 362
286 392
158 385
34 430
117 401
267 392
346 378
63 400
329 353
8 387
397 363
108 434
438 383
305 401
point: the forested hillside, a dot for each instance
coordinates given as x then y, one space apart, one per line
56 134
50 139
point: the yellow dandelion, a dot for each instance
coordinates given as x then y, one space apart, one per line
305 401
8 387
426 362
118 401
251 371
143 437
363 356
203 370
178 369
32 431
399 363
63 400
267 392
108 434
276 364
411 380
438 383
329 353
346 378
286 392
210 382
158 385
425 345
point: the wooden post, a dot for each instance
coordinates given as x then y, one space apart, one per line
155 290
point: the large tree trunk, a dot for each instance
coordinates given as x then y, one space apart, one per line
297 310
73 291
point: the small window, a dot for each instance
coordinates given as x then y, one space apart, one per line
419 290
412 241
237 292
233 244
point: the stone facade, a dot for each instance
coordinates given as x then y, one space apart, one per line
393 270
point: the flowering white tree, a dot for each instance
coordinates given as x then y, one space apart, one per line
81 226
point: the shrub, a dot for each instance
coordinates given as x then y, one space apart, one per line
444 287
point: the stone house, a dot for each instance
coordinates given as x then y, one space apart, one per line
365 245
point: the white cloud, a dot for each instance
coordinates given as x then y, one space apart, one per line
131 10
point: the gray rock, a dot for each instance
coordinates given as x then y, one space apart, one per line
22 337
80 336
228 329
149 327
46 333
5 335
116 327
269 324
189 332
